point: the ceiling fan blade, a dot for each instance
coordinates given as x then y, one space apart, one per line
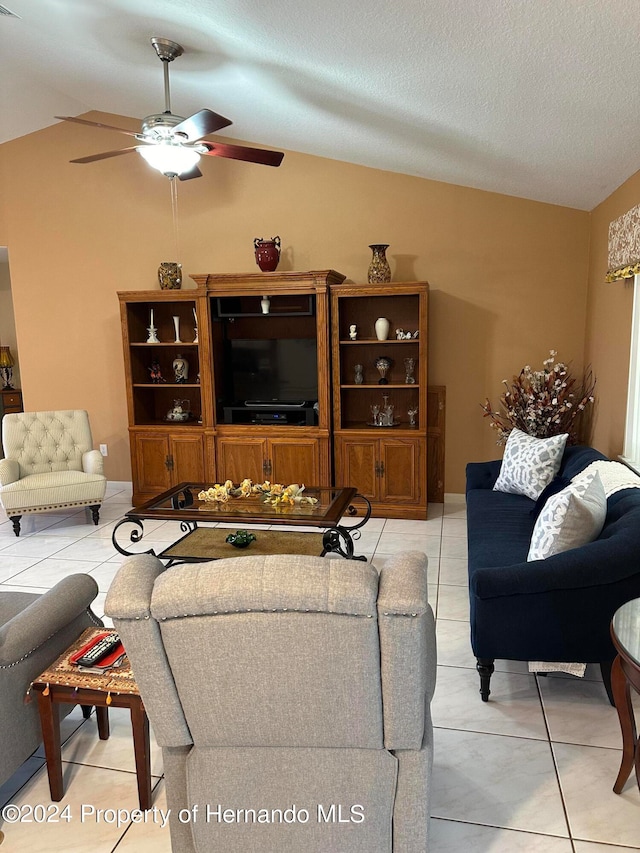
201 124
97 124
242 152
104 155
193 173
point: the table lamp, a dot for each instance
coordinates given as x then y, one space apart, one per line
6 365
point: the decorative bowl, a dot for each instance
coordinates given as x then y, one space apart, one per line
240 539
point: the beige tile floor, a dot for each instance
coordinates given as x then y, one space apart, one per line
531 770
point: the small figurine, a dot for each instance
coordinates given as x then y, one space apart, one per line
409 367
412 412
416 333
358 370
353 332
399 334
155 373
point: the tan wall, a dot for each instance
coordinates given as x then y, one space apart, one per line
7 320
508 276
608 333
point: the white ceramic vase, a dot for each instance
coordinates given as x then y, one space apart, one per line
382 328
176 323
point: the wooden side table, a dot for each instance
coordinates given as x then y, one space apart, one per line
62 682
625 674
10 402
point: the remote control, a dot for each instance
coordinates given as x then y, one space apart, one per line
99 651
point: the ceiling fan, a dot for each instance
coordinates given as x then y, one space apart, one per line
173 144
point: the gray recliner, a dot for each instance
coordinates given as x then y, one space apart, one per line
290 696
34 630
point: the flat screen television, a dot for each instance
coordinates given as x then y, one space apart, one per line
281 370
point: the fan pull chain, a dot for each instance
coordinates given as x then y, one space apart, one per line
173 183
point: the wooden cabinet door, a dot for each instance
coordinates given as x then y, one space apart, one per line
187 452
357 465
237 458
151 452
294 461
400 470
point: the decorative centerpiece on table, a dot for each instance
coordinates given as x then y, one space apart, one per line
543 402
271 493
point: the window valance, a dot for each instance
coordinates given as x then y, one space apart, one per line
624 245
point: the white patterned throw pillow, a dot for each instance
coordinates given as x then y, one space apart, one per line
570 519
529 463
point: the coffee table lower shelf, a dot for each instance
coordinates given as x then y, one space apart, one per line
208 543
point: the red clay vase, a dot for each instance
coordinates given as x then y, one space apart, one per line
267 253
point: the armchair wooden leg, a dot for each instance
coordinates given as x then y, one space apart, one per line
485 670
15 520
95 513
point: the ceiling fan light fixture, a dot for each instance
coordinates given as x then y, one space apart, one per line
171 160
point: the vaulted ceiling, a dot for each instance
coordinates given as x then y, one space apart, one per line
533 98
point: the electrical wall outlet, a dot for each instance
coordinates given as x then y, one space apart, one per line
104 450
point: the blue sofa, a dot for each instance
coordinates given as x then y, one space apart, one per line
558 609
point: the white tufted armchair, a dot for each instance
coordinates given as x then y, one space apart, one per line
49 464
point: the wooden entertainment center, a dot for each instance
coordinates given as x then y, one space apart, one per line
301 349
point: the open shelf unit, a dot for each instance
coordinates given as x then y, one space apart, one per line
387 461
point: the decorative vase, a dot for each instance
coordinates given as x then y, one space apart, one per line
379 269
382 326
382 365
176 323
358 374
180 369
267 253
170 275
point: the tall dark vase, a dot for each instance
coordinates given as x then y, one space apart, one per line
379 269
267 253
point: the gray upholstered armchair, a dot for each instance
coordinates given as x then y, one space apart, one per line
50 464
293 691
34 630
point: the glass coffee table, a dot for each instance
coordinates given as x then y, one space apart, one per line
199 544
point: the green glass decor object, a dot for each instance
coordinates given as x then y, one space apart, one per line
240 539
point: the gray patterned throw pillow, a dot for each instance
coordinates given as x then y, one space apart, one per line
570 519
529 464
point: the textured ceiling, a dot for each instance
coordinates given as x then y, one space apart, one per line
532 98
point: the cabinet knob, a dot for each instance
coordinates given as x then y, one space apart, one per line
169 463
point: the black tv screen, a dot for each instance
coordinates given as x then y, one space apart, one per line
283 370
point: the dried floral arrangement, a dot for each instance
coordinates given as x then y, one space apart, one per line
271 493
543 402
